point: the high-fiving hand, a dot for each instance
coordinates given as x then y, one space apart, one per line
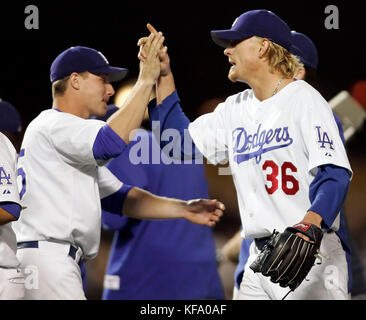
163 52
150 65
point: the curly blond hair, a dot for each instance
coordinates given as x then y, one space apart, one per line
279 59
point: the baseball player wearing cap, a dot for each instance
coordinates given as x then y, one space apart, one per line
63 177
11 277
288 162
179 259
306 51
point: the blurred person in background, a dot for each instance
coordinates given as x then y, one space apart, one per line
159 260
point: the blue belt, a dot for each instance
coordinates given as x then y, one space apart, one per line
34 244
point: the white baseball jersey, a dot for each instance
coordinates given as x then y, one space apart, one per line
274 148
8 193
62 183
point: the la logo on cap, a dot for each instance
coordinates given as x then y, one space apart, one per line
235 22
105 59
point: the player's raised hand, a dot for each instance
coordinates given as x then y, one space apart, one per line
202 211
150 67
163 52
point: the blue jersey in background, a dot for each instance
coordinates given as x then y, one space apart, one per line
173 259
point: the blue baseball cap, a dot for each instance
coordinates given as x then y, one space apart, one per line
9 118
81 59
305 49
261 23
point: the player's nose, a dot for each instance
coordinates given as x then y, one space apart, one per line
227 51
109 90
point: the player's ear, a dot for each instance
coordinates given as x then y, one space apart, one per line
300 74
263 47
75 80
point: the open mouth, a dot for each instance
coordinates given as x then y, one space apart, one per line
233 64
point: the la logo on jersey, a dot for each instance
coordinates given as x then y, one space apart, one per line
4 177
324 142
247 146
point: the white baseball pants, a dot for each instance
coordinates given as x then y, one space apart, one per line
50 273
11 284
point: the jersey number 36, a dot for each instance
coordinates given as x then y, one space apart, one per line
289 184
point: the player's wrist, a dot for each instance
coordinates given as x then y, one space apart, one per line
165 87
166 77
145 82
185 213
166 72
313 218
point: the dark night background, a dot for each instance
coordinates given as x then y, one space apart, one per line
200 68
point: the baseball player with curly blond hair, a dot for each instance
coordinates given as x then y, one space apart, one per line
304 48
288 162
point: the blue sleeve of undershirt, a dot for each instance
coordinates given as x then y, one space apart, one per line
12 208
169 115
114 202
107 144
328 191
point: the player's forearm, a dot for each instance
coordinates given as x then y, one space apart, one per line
327 194
169 115
131 114
165 86
141 204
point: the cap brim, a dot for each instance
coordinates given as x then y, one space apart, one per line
223 37
114 73
117 74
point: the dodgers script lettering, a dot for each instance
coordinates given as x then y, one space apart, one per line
248 146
